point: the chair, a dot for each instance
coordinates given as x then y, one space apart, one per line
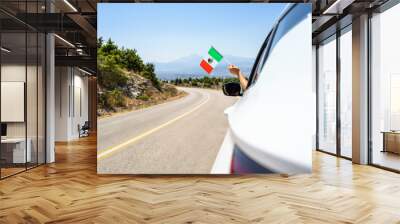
84 130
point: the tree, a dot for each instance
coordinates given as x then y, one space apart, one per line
148 73
100 42
109 47
131 60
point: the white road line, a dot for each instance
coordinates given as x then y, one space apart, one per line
109 151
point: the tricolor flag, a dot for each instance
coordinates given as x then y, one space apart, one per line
209 63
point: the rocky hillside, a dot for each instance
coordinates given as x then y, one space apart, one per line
126 83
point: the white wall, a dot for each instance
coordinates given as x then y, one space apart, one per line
80 109
62 82
13 101
33 126
71 102
12 73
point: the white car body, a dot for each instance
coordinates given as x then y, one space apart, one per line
273 122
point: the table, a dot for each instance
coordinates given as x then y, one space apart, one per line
391 141
16 153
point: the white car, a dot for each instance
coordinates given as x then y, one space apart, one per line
271 126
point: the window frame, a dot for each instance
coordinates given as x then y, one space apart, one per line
333 37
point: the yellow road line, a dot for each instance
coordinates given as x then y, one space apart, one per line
109 151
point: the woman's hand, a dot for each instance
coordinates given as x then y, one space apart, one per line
234 70
242 79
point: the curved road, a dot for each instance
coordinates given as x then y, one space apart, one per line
178 137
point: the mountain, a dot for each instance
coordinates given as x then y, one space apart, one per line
189 66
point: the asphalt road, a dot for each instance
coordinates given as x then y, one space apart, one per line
178 137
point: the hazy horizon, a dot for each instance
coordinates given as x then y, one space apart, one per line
198 55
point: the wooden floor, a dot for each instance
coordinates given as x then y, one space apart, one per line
70 191
5 172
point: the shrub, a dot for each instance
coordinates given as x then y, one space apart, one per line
143 97
113 98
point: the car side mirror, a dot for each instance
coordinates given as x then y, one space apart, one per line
232 89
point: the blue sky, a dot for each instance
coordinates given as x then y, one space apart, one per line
165 32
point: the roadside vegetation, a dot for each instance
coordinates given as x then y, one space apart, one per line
125 82
203 82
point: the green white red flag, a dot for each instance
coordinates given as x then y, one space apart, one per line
211 61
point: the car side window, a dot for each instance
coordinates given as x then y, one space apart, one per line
261 58
293 16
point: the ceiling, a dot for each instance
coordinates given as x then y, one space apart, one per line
75 22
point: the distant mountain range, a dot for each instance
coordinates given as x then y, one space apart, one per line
189 66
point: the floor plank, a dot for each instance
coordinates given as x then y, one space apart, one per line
70 191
